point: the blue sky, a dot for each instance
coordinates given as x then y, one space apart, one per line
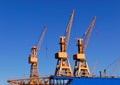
21 23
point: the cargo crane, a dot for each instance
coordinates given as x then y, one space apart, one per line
94 69
33 60
115 68
81 68
35 78
63 67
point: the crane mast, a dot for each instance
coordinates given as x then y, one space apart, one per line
63 67
81 68
33 60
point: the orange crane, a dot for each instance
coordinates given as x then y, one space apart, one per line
33 60
81 68
63 67
35 78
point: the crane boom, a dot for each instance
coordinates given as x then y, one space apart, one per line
41 39
115 67
68 29
88 32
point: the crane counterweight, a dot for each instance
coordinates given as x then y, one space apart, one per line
32 57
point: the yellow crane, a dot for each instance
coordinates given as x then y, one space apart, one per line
33 60
63 67
81 68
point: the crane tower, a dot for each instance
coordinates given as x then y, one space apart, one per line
35 78
81 68
63 67
33 60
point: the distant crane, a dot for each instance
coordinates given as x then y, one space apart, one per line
33 60
94 69
115 68
116 64
81 68
63 67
